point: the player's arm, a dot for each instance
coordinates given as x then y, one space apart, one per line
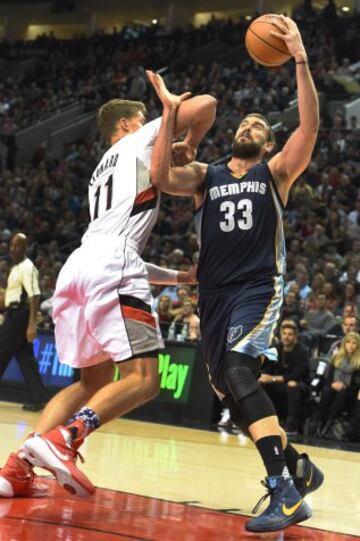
287 165
178 114
195 115
161 276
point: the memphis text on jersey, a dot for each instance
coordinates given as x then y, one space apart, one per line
237 188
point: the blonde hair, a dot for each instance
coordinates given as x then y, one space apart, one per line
342 354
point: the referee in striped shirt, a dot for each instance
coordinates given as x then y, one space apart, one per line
19 327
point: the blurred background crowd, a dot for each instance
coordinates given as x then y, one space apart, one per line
46 197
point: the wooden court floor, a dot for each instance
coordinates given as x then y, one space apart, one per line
165 483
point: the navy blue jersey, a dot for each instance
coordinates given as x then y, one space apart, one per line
239 227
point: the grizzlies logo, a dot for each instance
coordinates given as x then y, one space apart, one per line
234 333
272 483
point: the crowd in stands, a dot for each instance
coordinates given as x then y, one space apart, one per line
46 198
45 75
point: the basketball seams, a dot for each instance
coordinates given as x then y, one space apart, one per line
257 58
267 43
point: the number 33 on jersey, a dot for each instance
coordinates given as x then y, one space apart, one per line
239 227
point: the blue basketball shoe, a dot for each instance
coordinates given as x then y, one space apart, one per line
308 477
286 506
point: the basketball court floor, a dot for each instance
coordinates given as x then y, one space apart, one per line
158 482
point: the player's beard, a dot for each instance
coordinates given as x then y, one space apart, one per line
246 150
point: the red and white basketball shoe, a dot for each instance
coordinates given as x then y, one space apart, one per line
55 451
17 478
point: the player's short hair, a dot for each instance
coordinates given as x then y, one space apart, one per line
271 134
112 111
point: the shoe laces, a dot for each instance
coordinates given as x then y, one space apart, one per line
71 448
75 454
268 494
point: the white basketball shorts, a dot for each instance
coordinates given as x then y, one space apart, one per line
102 306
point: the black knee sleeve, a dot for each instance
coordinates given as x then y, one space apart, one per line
241 372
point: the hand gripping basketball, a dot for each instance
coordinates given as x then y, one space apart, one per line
290 34
271 40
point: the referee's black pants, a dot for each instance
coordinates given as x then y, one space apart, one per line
13 343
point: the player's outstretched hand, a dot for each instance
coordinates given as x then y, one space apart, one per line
182 154
167 98
291 35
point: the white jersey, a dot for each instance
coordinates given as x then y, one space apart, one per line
123 203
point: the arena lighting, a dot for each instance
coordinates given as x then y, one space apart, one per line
154 21
345 9
248 17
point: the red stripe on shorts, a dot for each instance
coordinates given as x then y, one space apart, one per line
138 315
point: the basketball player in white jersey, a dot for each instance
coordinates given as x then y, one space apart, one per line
102 302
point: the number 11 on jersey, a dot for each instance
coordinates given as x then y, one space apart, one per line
109 191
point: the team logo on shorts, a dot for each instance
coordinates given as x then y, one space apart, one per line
234 333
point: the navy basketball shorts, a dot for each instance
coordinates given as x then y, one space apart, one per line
243 318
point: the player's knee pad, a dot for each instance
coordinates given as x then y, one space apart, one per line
241 372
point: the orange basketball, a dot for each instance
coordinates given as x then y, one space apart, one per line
264 48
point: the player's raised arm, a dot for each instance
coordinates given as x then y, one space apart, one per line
287 165
195 116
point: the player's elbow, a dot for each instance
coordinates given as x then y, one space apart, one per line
210 101
209 104
205 107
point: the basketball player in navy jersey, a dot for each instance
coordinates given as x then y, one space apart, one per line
241 271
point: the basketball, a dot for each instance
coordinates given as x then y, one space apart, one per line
264 48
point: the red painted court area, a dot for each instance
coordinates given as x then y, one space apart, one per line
111 515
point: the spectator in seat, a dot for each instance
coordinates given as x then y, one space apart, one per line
354 216
342 383
319 319
286 381
182 293
331 273
164 309
317 287
332 300
189 320
292 309
302 280
350 295
165 313
337 332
